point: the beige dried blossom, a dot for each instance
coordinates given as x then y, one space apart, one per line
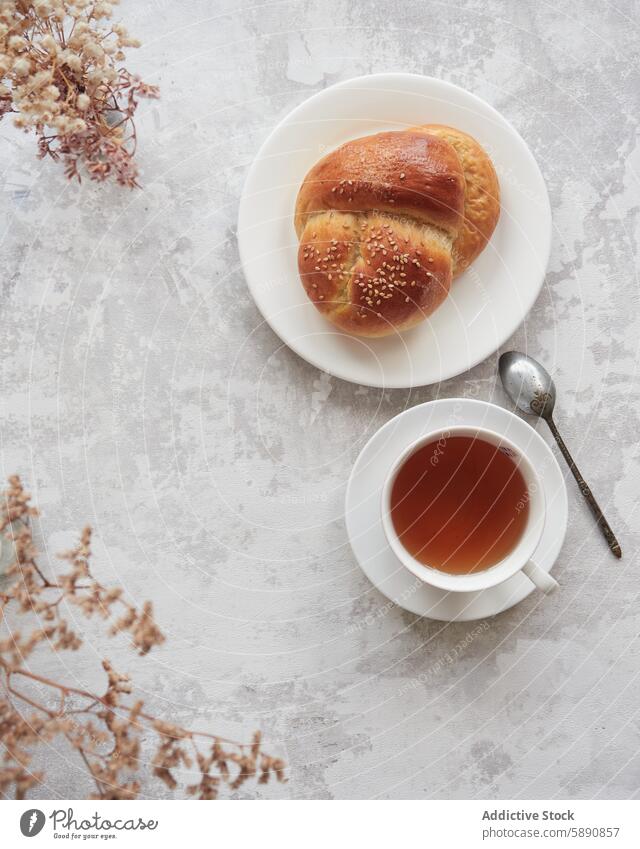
59 78
105 730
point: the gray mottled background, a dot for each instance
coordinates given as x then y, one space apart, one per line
141 393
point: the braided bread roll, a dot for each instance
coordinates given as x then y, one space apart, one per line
378 221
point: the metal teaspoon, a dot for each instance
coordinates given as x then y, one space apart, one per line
532 390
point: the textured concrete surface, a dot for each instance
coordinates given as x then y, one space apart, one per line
141 393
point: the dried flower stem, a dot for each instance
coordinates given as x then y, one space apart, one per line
59 76
106 731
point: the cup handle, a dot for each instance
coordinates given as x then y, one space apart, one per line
539 577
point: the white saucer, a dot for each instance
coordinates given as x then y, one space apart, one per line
364 525
486 304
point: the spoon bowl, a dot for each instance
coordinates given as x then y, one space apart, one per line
528 384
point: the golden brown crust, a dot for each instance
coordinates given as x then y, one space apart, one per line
482 194
403 173
385 222
373 275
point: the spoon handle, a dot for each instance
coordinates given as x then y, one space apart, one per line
604 526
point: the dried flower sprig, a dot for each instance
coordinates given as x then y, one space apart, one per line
105 730
59 73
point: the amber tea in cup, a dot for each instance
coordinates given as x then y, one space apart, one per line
459 504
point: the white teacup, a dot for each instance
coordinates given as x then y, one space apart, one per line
519 559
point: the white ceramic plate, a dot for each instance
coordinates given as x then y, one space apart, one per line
486 304
364 521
